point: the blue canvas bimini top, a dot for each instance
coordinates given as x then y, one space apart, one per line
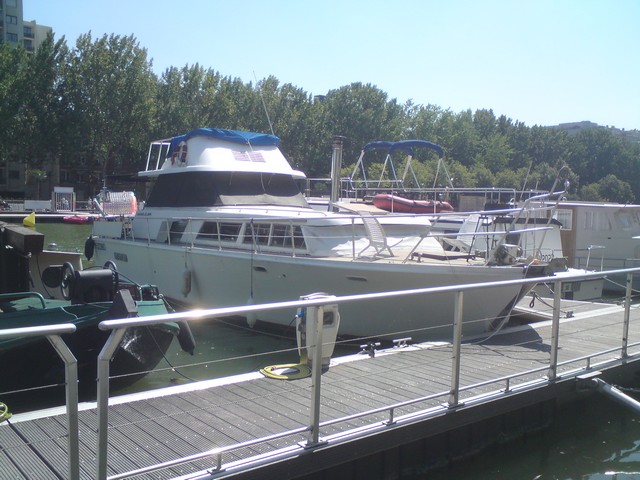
406 146
234 136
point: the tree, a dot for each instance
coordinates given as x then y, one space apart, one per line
41 121
484 122
14 93
287 109
458 135
422 121
38 176
111 93
194 97
591 193
100 102
362 114
615 190
597 153
610 189
495 152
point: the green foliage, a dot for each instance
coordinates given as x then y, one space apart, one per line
111 90
591 193
37 176
610 188
14 93
100 103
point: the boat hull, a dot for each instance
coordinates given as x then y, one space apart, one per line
78 219
31 362
235 278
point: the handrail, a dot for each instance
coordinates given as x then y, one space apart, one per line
53 332
118 327
37 331
21 295
219 312
194 239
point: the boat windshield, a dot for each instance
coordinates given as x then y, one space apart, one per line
207 189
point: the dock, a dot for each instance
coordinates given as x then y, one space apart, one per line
367 416
42 217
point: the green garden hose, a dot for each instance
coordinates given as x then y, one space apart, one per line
5 414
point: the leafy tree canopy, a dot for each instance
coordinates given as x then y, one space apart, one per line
99 103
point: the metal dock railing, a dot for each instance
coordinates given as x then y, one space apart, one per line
319 423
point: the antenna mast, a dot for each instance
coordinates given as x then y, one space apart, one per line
264 105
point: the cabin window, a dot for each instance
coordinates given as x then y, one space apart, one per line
596 221
177 229
280 233
207 189
589 220
512 239
565 217
257 233
282 236
214 231
275 235
298 238
627 220
229 232
208 231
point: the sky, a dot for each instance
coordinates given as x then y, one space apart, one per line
541 62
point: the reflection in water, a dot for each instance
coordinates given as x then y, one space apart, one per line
594 439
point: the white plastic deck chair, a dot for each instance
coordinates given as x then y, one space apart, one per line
375 233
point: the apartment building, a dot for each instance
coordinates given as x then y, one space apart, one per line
15 31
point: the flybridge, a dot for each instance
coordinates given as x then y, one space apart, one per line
211 149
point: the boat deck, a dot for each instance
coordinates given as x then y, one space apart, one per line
159 426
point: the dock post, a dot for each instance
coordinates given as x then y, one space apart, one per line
316 379
454 393
71 377
103 399
627 309
555 331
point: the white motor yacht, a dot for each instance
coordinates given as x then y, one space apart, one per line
226 224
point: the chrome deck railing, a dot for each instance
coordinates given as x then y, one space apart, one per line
504 385
53 332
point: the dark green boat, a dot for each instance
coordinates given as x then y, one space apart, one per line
92 296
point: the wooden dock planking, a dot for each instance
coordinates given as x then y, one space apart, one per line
163 428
